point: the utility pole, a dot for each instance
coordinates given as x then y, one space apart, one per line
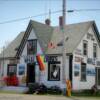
64 71
64 45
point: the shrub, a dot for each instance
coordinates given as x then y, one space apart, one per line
11 80
33 87
42 89
54 90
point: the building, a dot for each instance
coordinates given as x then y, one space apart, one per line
45 41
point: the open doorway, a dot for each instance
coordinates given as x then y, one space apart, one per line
30 73
98 76
70 67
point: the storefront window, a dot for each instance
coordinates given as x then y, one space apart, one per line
54 72
12 69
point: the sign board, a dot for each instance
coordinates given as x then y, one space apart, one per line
21 69
78 52
91 72
76 69
30 59
51 58
78 59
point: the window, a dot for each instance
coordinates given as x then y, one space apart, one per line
94 50
83 72
54 72
85 48
12 69
32 47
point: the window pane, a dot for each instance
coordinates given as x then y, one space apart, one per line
32 47
85 47
83 72
54 72
94 50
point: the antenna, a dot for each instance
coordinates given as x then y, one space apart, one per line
50 14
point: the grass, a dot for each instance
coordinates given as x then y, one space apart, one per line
86 93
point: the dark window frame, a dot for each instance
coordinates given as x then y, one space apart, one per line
33 49
83 72
49 69
94 50
85 48
8 70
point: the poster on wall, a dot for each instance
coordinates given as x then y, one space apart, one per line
21 69
91 72
76 69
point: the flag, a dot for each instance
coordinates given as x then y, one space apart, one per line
51 45
40 60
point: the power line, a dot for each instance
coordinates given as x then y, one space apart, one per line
20 19
42 14
82 10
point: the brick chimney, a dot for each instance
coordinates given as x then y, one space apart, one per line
47 22
60 21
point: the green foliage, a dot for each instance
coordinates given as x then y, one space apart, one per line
35 88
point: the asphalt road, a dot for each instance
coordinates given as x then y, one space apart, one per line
41 97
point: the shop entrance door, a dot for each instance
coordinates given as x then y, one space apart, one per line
98 76
30 73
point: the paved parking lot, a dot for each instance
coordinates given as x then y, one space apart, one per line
40 97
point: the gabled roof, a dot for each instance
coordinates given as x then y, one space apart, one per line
43 33
74 32
46 34
11 50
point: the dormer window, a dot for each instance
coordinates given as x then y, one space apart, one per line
32 47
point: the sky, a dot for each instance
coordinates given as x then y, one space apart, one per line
16 9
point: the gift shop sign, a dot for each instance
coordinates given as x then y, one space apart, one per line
78 59
30 59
